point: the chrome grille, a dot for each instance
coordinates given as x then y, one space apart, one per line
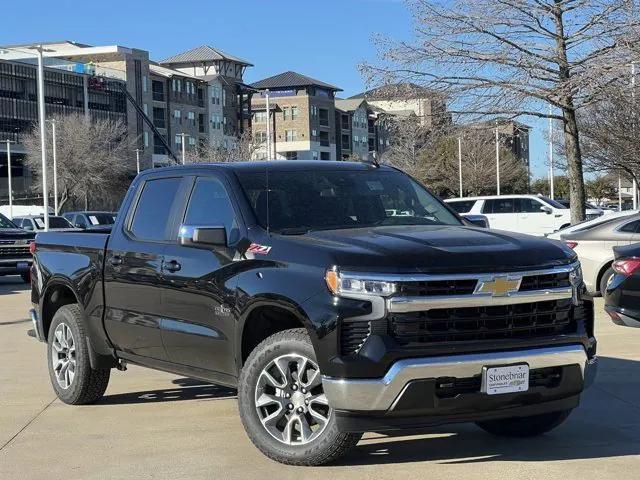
14 251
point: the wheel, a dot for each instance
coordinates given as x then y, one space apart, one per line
282 403
72 377
26 277
606 278
525 426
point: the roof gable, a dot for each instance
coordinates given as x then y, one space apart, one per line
292 79
203 54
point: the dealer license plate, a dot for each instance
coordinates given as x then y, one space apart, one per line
506 379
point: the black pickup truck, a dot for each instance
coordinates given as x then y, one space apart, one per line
15 257
337 297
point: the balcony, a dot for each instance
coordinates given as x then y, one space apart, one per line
158 96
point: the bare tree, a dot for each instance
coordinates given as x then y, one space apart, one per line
244 148
91 158
431 156
516 57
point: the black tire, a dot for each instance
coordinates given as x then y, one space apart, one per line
88 385
604 281
327 447
26 277
525 426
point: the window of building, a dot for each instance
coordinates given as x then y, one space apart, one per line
153 213
178 139
285 113
356 139
314 111
145 109
177 114
291 155
192 142
324 139
260 117
291 135
325 156
192 117
145 83
260 136
210 205
346 142
294 112
323 117
314 133
314 154
158 117
145 136
224 97
215 95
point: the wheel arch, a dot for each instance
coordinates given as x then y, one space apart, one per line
56 294
603 268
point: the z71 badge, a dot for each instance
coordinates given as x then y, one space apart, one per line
260 249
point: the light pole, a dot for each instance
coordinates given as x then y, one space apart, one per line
138 160
183 137
268 108
619 193
497 161
9 179
43 138
55 165
551 169
460 163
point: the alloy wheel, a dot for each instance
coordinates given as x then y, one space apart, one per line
63 355
290 400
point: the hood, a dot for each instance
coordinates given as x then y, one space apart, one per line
437 249
15 233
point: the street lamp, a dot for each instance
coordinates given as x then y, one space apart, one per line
55 165
138 160
497 161
460 163
184 146
10 178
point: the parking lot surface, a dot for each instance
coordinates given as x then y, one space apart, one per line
156 425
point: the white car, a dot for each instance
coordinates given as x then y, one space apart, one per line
587 224
531 214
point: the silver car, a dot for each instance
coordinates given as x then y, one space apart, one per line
594 245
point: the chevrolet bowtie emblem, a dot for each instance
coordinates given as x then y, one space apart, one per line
499 286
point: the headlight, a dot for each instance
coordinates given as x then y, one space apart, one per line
352 284
575 275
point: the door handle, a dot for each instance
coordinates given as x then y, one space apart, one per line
115 260
172 266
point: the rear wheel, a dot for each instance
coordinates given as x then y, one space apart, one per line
606 278
283 406
72 377
525 426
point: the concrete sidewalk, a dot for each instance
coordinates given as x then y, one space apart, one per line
156 425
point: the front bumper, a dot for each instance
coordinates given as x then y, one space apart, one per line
407 395
15 266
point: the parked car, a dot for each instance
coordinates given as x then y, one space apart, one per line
293 283
594 245
88 220
590 210
532 214
35 223
588 224
622 298
15 257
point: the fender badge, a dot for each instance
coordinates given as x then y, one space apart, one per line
257 248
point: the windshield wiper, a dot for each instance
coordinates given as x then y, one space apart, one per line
294 231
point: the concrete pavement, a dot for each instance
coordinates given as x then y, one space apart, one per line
155 425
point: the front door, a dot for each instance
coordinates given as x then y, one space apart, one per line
198 295
133 309
532 219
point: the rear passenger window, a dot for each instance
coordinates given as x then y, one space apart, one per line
463 206
631 227
211 206
499 205
154 214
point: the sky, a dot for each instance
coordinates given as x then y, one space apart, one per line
324 39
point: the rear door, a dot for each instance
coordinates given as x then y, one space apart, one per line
132 278
198 296
501 213
628 233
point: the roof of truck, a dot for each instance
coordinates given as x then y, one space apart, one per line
278 166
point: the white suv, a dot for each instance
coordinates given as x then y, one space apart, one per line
532 214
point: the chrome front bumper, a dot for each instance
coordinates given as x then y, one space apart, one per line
382 394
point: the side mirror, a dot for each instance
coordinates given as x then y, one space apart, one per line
547 210
202 236
476 220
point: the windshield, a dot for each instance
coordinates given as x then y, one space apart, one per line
327 200
6 223
553 203
54 222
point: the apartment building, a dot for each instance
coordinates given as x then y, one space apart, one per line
69 89
303 116
512 135
405 98
352 120
228 99
178 107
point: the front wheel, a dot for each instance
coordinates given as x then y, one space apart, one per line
607 276
283 406
525 426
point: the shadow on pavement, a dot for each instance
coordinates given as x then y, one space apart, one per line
186 389
12 284
606 424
